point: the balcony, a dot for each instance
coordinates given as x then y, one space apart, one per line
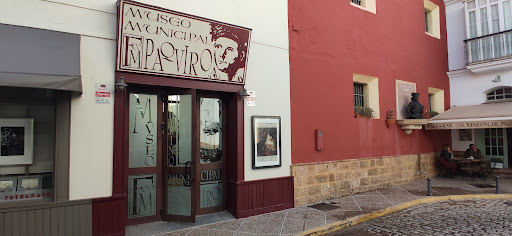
489 52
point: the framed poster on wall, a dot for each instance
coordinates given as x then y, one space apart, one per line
16 147
266 141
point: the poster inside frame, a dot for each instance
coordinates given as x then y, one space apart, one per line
266 141
17 141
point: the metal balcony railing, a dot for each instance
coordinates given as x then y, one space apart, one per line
489 47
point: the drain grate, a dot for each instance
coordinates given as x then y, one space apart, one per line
484 185
324 207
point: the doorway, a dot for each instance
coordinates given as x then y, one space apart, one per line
177 154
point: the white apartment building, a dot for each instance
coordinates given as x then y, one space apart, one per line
480 72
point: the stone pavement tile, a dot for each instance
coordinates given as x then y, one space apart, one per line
210 218
262 225
350 207
336 215
277 214
403 198
231 225
343 199
350 214
374 206
225 215
301 213
152 228
178 233
211 232
360 199
393 192
132 230
253 234
293 226
370 193
311 224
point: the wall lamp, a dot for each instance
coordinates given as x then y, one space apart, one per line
120 84
244 93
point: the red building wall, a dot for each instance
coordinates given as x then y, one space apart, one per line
329 41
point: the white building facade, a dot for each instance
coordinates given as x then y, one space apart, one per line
92 166
480 63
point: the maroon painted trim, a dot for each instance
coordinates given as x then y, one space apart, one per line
240 138
259 211
108 215
167 81
261 196
118 152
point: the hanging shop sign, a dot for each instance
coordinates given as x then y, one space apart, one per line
154 40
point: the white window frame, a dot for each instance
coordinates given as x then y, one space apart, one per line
434 27
477 10
367 5
370 92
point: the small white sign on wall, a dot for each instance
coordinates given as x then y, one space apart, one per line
103 93
251 100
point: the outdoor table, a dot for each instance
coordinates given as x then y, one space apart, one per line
470 165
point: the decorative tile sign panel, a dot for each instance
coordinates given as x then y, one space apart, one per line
404 90
154 40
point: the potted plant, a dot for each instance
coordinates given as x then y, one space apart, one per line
390 119
433 113
363 112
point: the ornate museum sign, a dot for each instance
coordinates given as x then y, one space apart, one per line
154 40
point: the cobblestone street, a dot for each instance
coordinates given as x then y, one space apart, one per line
460 217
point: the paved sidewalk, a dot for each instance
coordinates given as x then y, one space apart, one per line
300 219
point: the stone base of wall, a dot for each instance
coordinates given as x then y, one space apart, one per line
326 180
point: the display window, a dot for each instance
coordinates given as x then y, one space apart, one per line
29 134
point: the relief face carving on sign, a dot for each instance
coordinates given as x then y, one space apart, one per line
159 41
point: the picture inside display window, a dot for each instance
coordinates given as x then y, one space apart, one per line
16 143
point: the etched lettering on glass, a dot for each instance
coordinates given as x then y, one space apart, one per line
141 195
211 194
179 200
179 130
211 188
211 130
143 130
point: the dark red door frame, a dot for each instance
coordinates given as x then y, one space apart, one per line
236 136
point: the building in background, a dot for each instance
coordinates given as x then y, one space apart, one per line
351 54
480 70
180 140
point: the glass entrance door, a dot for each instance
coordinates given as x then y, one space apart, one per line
143 158
177 155
495 146
212 153
179 165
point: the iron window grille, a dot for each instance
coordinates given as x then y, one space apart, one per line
358 95
357 2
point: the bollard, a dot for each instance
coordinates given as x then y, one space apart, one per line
497 185
429 187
